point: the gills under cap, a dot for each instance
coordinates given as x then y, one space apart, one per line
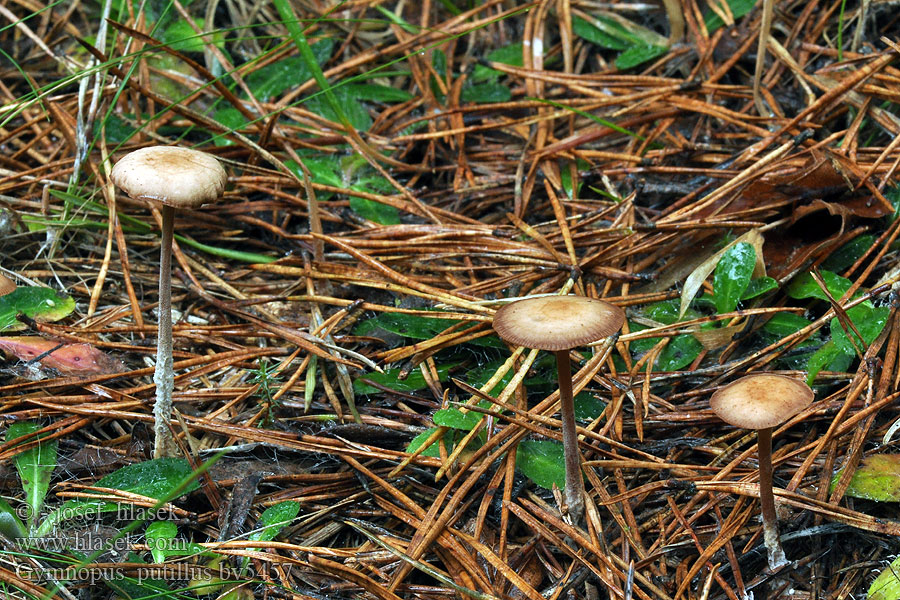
557 322
761 401
178 177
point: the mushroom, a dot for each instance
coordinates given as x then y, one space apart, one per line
762 401
7 285
174 178
559 324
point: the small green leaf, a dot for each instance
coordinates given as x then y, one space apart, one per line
181 36
274 519
868 321
484 93
456 419
273 79
383 214
758 287
35 466
732 276
433 450
356 114
784 324
38 303
231 118
508 55
847 254
391 379
155 479
378 93
887 585
738 8
160 536
603 32
638 54
876 478
10 524
804 286
542 462
411 326
823 357
679 353
588 407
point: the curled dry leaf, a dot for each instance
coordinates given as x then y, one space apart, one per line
68 359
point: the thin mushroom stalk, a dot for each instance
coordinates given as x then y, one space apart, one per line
164 376
763 401
574 490
559 324
169 177
774 550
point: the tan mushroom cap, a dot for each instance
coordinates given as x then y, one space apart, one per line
7 285
761 401
557 322
179 177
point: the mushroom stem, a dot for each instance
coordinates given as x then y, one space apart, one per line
164 378
767 501
574 492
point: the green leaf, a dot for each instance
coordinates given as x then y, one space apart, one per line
868 321
603 32
10 524
383 214
134 589
565 174
847 254
416 443
231 118
823 357
160 536
391 379
739 8
542 462
732 276
153 478
484 93
876 478
804 286
411 326
679 353
758 287
887 585
181 36
273 79
38 303
637 54
784 324
588 407
35 466
456 419
378 93
274 519
356 114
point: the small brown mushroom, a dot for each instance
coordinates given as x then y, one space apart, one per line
7 285
173 178
558 324
763 401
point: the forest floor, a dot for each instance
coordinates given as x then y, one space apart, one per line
348 423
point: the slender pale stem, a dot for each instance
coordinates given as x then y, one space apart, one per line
574 492
164 378
767 501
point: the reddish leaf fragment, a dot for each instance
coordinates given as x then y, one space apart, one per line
68 359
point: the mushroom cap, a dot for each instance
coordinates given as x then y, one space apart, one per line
178 177
7 285
761 400
557 322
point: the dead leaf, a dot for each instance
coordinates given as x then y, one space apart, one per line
68 359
